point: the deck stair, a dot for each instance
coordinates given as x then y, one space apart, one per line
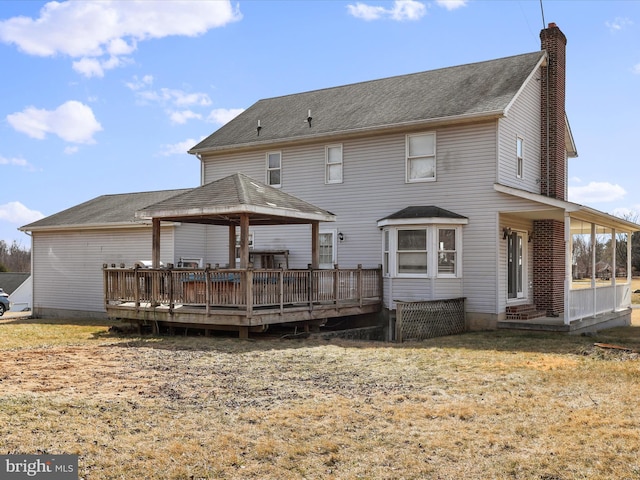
524 312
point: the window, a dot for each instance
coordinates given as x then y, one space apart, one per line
333 171
515 265
519 157
432 250
421 157
238 244
412 251
385 253
446 251
274 169
327 248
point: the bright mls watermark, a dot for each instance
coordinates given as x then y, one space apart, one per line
49 467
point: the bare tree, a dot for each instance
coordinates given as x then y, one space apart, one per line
14 258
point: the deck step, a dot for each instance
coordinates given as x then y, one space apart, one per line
524 312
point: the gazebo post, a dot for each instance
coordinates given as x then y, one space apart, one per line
315 242
232 245
155 243
244 240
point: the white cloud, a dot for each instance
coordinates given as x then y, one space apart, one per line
72 121
617 24
20 162
224 115
596 192
139 83
174 97
636 69
183 116
110 28
178 148
70 150
15 212
452 4
401 10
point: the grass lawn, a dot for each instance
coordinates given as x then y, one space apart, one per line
475 406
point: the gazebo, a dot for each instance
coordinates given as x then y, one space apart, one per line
238 296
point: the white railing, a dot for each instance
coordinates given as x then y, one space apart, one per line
588 302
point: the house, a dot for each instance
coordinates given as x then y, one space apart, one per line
451 183
18 286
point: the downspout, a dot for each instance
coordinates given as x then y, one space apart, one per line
199 157
568 242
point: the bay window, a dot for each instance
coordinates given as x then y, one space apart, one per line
422 251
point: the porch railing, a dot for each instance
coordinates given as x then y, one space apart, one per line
588 302
244 289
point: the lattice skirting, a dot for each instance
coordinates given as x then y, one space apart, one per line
428 319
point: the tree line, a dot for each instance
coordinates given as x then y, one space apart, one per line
13 258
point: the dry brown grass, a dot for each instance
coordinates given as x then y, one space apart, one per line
474 406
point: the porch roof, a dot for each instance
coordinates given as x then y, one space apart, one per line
553 208
224 201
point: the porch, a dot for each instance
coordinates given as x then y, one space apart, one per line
239 299
594 306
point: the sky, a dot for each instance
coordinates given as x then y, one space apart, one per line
106 97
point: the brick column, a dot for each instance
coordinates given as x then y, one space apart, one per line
549 266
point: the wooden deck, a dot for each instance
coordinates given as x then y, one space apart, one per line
247 300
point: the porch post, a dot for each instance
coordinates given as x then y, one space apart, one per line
155 243
614 268
568 259
629 250
244 240
232 246
315 243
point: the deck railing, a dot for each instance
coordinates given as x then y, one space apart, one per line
244 289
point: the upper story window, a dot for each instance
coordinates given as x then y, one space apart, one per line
274 169
421 157
333 162
519 157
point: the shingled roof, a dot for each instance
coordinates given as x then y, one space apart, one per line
106 210
223 201
465 91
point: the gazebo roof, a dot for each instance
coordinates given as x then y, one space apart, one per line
222 202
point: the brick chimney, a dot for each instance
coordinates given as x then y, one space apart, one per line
553 159
548 244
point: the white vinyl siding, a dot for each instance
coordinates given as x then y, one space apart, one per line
374 187
67 266
522 121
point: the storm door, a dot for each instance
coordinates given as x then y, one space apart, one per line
515 265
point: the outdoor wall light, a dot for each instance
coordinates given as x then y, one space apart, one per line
340 236
506 231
